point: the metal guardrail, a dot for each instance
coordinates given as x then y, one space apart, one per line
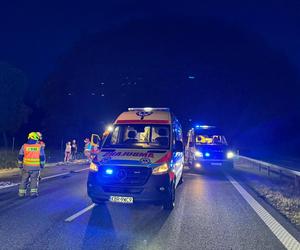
272 168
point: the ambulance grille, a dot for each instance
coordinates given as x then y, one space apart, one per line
127 176
216 155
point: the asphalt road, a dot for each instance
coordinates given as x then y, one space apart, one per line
210 214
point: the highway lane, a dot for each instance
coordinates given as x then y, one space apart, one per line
210 214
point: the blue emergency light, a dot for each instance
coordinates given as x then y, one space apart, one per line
207 154
109 171
204 127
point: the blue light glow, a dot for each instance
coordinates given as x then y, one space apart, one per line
203 126
109 171
207 154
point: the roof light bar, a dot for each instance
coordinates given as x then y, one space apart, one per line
204 127
148 109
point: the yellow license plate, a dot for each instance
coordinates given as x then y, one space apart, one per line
121 199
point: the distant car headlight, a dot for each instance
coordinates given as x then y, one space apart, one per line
198 154
230 155
93 167
162 169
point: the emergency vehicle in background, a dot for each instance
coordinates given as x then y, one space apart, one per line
140 160
207 149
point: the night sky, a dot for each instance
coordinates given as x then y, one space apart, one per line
35 34
239 49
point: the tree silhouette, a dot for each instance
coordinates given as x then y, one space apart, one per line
13 111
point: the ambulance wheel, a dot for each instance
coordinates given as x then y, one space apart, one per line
181 180
169 203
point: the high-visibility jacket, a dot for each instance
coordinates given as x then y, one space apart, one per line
32 156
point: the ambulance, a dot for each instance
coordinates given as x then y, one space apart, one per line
207 149
140 160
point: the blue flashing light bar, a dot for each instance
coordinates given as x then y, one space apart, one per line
207 154
148 109
204 127
109 171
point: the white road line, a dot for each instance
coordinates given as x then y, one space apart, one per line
277 229
81 212
53 176
77 171
10 185
45 178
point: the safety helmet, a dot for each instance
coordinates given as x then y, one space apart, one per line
33 136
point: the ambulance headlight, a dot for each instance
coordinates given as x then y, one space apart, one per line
110 128
198 154
230 155
162 169
93 167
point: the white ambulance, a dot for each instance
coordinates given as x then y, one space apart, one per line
140 160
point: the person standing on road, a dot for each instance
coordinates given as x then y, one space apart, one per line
74 150
68 152
87 148
31 160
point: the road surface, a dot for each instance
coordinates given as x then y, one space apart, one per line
210 213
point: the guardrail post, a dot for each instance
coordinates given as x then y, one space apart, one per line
269 172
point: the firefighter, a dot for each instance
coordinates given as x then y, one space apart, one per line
31 160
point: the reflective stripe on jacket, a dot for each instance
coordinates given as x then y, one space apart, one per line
32 154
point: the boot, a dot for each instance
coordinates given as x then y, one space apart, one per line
34 193
22 193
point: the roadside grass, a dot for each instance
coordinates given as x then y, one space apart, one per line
8 159
281 194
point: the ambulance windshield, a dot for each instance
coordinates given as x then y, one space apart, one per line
139 136
210 140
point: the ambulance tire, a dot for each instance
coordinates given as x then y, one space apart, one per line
169 203
181 180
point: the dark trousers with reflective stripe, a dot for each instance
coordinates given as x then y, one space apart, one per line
33 175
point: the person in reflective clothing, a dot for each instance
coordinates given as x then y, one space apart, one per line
31 160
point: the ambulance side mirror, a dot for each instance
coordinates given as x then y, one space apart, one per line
95 140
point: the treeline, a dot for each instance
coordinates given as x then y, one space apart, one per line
13 110
205 70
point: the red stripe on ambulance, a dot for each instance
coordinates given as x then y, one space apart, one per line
143 122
